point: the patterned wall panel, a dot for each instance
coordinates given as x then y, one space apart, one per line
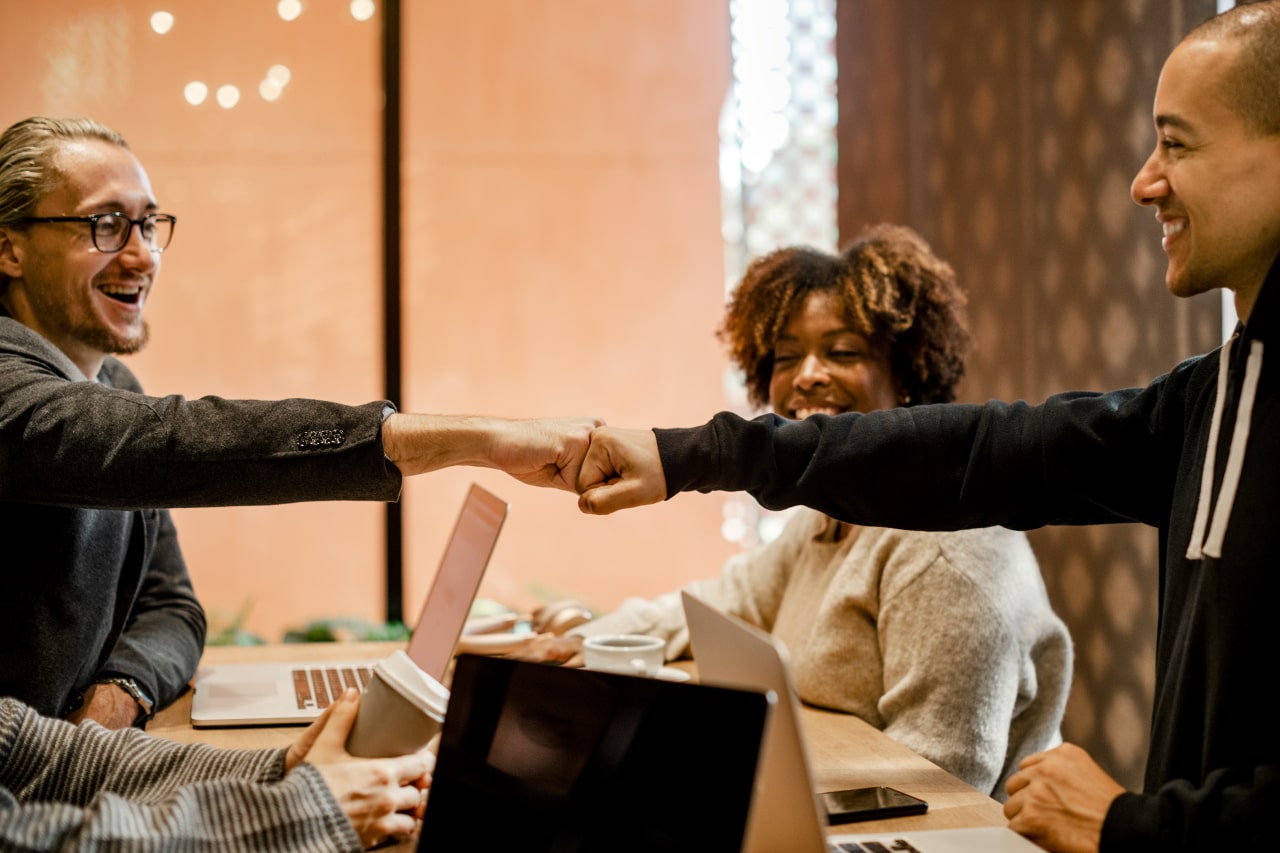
1007 132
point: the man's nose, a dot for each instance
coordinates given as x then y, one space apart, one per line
1149 185
137 253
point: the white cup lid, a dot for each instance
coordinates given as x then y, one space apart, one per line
412 683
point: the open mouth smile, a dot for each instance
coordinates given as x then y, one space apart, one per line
806 411
1170 229
129 294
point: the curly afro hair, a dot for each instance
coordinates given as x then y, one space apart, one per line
894 290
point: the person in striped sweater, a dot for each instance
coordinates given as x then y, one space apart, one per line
86 787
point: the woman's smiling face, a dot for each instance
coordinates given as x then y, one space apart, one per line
820 365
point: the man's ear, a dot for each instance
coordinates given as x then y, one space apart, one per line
10 253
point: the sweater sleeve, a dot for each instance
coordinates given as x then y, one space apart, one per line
84 787
750 586
951 670
163 640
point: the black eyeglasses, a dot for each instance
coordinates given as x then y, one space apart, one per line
111 230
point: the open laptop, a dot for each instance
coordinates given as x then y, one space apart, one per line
287 693
785 812
540 758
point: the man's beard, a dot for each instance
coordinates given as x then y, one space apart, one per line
85 327
104 340
92 334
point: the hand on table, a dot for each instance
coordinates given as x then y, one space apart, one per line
548 648
502 643
1059 799
622 469
382 797
108 704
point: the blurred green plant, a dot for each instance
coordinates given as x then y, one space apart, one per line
224 631
335 630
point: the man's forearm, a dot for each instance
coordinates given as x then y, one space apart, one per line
416 444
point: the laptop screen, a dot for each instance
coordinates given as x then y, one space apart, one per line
546 758
457 580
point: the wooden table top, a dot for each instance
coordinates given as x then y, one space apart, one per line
844 751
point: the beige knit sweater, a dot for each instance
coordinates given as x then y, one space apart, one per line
945 641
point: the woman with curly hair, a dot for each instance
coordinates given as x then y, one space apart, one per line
945 641
887 288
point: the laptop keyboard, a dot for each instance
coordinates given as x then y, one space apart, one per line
899 845
320 687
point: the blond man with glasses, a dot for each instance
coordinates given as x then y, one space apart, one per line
99 620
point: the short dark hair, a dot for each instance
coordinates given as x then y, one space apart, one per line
1254 88
892 288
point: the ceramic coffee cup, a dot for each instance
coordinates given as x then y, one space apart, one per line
401 709
633 654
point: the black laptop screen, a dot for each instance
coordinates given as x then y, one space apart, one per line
542 758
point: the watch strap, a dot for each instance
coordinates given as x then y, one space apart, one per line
146 706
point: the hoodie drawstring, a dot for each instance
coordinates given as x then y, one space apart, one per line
1200 546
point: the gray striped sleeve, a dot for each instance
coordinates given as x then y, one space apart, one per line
87 788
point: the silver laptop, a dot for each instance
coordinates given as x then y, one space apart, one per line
785 811
296 693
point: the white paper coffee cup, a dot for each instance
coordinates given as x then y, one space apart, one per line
401 709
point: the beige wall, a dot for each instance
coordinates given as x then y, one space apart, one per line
562 255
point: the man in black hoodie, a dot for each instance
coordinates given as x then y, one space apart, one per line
1196 454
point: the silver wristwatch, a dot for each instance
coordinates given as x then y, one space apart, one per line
145 705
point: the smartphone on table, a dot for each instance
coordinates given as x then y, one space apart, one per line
874 803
